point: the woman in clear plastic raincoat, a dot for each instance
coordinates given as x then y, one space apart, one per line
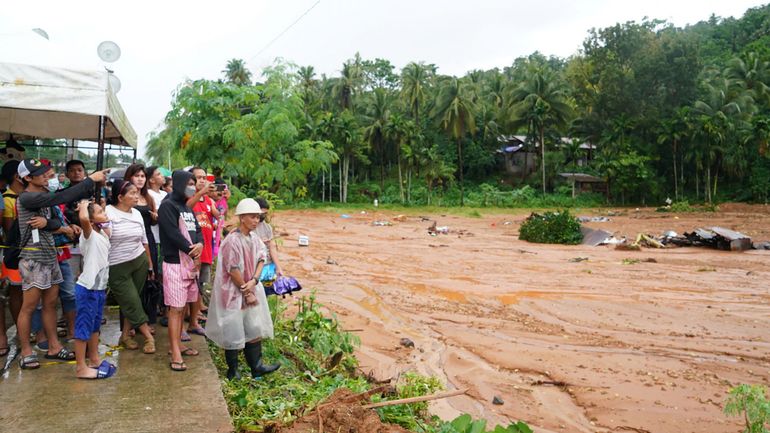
239 317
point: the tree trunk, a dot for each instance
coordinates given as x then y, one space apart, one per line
697 184
345 178
400 178
341 180
676 183
708 184
460 155
323 186
409 185
716 178
542 148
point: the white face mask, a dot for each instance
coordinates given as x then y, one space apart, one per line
53 184
189 191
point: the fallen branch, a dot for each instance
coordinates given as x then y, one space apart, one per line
417 399
356 397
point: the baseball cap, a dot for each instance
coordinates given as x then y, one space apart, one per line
32 167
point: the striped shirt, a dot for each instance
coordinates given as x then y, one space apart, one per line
128 238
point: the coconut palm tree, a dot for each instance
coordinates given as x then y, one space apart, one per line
415 79
724 109
540 102
455 112
237 73
376 119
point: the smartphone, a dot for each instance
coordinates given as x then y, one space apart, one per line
221 187
210 178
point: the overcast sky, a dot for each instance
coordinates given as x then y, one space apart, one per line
164 42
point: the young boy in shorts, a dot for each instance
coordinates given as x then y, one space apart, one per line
91 291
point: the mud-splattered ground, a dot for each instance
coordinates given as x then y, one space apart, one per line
588 346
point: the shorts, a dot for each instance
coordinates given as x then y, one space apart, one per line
67 288
177 292
39 275
12 276
90 311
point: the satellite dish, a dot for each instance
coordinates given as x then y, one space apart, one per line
114 83
108 51
41 32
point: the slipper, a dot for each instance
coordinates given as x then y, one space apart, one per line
186 336
63 355
29 362
105 370
61 332
4 351
180 366
197 331
188 352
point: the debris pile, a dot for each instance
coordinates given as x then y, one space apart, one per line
714 237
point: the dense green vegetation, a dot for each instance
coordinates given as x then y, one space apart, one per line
670 112
551 228
316 357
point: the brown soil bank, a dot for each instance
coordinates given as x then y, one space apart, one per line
595 345
340 414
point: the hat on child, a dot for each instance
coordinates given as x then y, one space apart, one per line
247 206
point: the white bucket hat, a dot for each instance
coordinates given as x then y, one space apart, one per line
247 206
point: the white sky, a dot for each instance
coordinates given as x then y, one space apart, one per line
165 41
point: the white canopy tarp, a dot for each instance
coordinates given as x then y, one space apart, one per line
46 102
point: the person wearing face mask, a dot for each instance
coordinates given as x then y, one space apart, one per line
181 243
129 264
39 269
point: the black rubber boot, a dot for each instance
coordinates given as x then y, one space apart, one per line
253 352
231 357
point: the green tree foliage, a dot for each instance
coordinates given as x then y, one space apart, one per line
551 228
655 110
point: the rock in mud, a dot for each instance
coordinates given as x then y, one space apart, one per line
497 401
407 342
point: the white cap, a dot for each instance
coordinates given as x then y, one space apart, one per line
247 206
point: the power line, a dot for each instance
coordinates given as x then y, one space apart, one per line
285 30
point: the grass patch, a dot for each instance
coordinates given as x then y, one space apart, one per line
316 358
551 228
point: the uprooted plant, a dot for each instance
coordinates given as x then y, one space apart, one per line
751 402
551 228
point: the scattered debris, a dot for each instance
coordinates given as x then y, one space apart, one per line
595 219
507 223
433 230
578 259
594 237
382 223
526 252
497 401
331 261
400 218
438 246
344 216
761 245
303 240
714 237
424 218
406 342
707 269
630 261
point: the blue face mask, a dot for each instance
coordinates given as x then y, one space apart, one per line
189 191
53 184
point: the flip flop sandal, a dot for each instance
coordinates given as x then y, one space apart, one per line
63 355
4 351
180 366
29 362
188 352
197 331
61 332
105 370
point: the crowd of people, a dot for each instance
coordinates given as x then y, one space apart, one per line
147 240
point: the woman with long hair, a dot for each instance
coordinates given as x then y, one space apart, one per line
129 263
148 209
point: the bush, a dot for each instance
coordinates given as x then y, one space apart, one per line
750 401
551 228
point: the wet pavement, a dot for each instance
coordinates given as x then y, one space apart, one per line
143 396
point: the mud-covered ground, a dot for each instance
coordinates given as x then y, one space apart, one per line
586 346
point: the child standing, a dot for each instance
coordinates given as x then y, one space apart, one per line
90 291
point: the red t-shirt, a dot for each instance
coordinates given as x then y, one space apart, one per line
202 211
